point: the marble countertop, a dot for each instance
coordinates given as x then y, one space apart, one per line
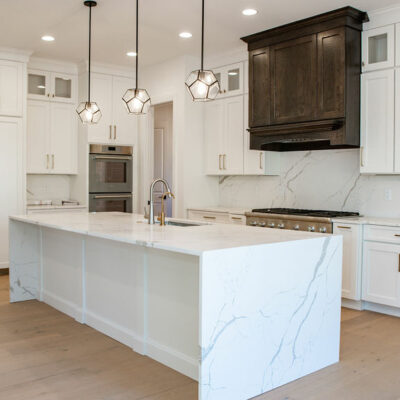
132 228
54 207
221 209
369 221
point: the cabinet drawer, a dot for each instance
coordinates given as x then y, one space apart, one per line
207 216
237 219
381 233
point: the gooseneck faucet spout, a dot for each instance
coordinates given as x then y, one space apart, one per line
167 189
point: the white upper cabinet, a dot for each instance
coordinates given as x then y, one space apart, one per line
116 125
378 48
11 92
51 138
257 162
230 79
377 122
52 86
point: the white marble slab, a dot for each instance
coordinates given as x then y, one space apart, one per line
369 221
131 228
269 315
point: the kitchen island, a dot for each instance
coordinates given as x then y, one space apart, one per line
240 309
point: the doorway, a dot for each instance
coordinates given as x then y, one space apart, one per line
163 142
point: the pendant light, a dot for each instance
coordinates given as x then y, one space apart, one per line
202 84
89 111
137 100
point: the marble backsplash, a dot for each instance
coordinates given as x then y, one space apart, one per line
328 179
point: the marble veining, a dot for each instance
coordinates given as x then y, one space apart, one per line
327 179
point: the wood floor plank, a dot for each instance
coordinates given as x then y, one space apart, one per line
46 355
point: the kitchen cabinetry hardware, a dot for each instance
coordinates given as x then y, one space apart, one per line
344 227
281 226
399 264
219 161
113 196
237 218
47 161
110 132
261 157
52 161
115 132
224 161
362 156
112 157
397 235
253 223
209 217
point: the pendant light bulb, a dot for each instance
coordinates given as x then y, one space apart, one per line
88 111
202 84
137 101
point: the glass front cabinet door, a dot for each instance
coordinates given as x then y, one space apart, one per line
50 85
230 79
378 48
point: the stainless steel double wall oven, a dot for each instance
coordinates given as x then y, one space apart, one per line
110 178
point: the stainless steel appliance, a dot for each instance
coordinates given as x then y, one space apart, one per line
110 178
296 219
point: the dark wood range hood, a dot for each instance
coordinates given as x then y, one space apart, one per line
304 83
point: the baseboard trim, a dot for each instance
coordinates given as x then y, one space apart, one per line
353 304
63 305
380 308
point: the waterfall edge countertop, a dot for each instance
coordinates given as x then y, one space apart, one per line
132 228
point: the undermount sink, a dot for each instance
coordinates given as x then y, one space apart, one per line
176 223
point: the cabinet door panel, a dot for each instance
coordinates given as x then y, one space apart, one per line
259 88
101 93
397 122
232 162
377 121
214 115
331 73
381 273
63 138
294 80
124 124
63 88
351 270
37 147
11 92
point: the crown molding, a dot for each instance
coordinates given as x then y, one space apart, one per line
8 53
383 16
108 69
230 57
45 64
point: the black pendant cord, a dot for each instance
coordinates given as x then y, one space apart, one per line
137 44
90 48
202 36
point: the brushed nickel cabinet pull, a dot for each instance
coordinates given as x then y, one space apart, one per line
208 217
110 132
261 154
47 161
52 161
115 132
344 227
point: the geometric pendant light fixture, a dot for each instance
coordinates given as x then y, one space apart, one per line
202 84
137 100
89 111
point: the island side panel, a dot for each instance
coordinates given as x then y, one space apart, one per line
173 310
114 288
24 261
62 271
270 314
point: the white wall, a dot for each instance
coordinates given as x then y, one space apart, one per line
328 179
165 82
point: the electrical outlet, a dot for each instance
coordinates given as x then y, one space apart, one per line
388 194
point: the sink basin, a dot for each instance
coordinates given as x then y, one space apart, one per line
176 223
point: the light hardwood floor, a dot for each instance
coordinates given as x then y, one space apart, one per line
46 355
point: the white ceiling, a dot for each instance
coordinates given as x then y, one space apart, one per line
23 22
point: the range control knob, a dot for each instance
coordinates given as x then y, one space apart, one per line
296 227
271 225
311 229
323 229
261 224
281 226
253 223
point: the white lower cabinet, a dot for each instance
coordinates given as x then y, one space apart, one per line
51 138
352 257
381 273
221 217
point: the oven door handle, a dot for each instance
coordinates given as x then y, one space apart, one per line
112 158
113 196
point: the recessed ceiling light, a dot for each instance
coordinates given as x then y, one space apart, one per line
249 11
131 54
185 35
48 38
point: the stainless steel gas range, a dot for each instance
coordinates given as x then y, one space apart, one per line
295 219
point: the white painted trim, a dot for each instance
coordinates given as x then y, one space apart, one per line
382 16
353 304
383 309
45 64
7 53
60 304
108 69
